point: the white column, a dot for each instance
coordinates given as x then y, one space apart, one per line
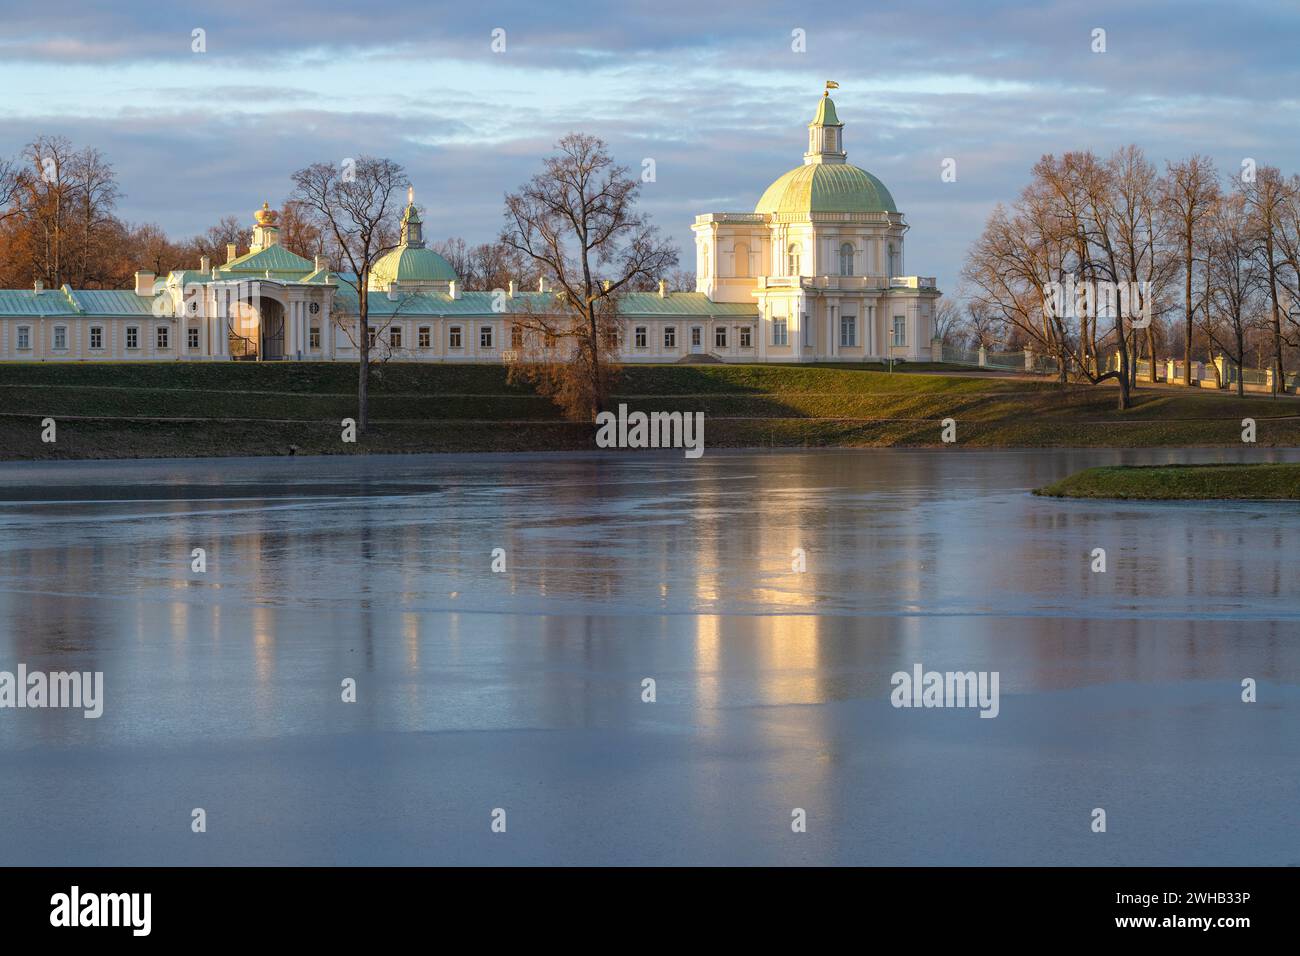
293 329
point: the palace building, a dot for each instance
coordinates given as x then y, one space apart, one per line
814 274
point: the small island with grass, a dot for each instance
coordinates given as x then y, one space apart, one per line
1228 482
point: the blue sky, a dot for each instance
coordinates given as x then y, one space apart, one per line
713 93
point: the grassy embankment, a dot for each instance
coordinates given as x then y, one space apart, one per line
1182 483
181 409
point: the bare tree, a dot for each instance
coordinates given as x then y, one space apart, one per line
576 220
1079 222
947 320
1235 281
1266 196
1190 192
456 252
299 233
11 184
355 207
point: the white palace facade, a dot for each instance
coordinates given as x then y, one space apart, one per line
815 273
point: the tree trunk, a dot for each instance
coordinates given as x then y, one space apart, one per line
1278 379
1123 367
1187 291
363 371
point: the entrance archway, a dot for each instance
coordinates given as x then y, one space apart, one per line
257 330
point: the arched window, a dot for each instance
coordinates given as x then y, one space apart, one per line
742 259
846 259
793 259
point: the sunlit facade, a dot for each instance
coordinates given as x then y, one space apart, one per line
814 273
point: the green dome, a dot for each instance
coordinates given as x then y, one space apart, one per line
826 187
411 264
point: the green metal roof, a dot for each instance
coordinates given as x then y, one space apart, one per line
113 302
479 304
411 264
680 303
826 187
826 115
28 302
275 258
190 277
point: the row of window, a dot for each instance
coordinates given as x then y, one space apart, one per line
455 336
793 253
162 337
848 331
424 337
846 259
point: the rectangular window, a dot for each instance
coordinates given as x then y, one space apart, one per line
900 330
395 336
424 337
313 337
746 337
96 337
640 336
132 337
551 339
848 331
453 337
670 337
373 336
807 330
516 336
192 338
60 337
24 336
697 337
485 337
720 337
162 339
780 332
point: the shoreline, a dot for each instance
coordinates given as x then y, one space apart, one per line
296 409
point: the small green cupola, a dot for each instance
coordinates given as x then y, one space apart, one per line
412 228
825 134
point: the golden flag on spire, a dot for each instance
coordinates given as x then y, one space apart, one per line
832 85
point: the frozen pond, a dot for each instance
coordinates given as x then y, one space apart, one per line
523 689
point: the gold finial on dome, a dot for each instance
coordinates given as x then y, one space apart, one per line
266 216
410 195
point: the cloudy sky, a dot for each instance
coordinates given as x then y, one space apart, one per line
713 92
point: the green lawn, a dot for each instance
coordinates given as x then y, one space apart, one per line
1181 482
183 409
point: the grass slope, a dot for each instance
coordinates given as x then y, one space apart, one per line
192 409
1181 482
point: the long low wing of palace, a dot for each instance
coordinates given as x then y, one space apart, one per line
813 274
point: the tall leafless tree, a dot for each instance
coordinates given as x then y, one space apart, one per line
577 221
1266 197
1235 283
1190 193
355 205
